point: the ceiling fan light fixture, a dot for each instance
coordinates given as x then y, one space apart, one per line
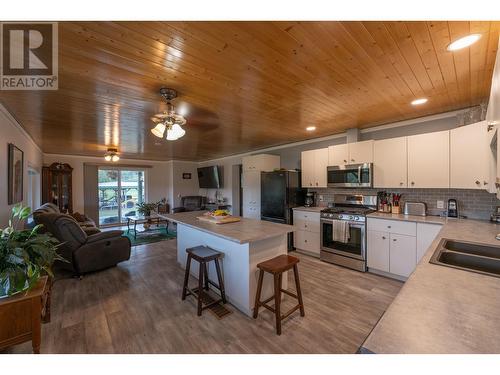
159 130
463 42
111 155
169 121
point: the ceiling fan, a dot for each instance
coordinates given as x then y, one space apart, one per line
169 121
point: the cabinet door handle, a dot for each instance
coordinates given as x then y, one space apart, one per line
485 183
478 183
305 240
394 239
383 237
316 184
305 225
345 161
400 184
389 226
413 183
352 159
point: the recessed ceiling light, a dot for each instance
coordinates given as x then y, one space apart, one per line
464 42
419 101
311 128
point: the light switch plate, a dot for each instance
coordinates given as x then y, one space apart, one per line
440 204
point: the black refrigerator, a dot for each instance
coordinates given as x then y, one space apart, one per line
280 192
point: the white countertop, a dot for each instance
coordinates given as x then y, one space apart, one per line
309 209
412 218
442 309
244 231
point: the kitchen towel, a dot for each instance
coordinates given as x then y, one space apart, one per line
341 231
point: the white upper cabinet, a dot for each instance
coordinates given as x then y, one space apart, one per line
261 163
320 165
469 158
351 153
390 163
338 154
307 168
361 152
314 164
429 160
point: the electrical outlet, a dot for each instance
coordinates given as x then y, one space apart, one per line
440 204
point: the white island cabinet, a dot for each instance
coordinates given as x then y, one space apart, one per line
244 244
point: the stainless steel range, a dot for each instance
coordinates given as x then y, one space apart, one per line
348 213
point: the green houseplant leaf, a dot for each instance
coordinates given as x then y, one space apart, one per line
25 255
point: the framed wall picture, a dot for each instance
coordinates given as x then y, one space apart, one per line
15 174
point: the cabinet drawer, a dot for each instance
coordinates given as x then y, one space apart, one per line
306 221
308 241
393 226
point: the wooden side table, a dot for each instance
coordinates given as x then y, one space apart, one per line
21 316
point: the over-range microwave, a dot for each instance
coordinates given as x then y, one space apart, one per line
351 175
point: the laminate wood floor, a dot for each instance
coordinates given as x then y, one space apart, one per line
136 308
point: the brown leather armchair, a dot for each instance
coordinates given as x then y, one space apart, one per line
85 253
190 203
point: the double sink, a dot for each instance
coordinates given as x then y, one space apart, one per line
468 256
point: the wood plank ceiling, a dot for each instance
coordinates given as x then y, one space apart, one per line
247 85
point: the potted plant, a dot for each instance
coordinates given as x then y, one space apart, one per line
146 208
25 254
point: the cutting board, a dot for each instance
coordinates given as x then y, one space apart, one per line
226 220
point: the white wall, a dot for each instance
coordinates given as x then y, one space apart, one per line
11 132
226 164
182 187
157 177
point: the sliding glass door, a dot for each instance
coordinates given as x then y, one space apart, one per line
120 191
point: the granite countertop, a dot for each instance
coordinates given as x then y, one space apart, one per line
244 231
442 309
413 218
309 209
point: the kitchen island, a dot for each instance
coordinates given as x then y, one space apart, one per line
244 244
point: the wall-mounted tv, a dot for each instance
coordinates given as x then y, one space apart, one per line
210 177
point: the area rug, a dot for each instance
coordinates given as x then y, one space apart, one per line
151 236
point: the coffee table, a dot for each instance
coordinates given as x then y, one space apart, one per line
139 219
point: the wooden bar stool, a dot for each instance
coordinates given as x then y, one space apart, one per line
276 266
203 255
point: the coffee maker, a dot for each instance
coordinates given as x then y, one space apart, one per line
310 200
452 208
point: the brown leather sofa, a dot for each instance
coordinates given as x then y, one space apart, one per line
85 253
87 224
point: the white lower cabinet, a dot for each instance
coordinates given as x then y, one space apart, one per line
426 233
395 246
378 250
402 254
307 235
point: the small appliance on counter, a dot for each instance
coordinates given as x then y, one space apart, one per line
495 216
415 208
452 208
310 200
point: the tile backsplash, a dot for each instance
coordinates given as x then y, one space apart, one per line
475 204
